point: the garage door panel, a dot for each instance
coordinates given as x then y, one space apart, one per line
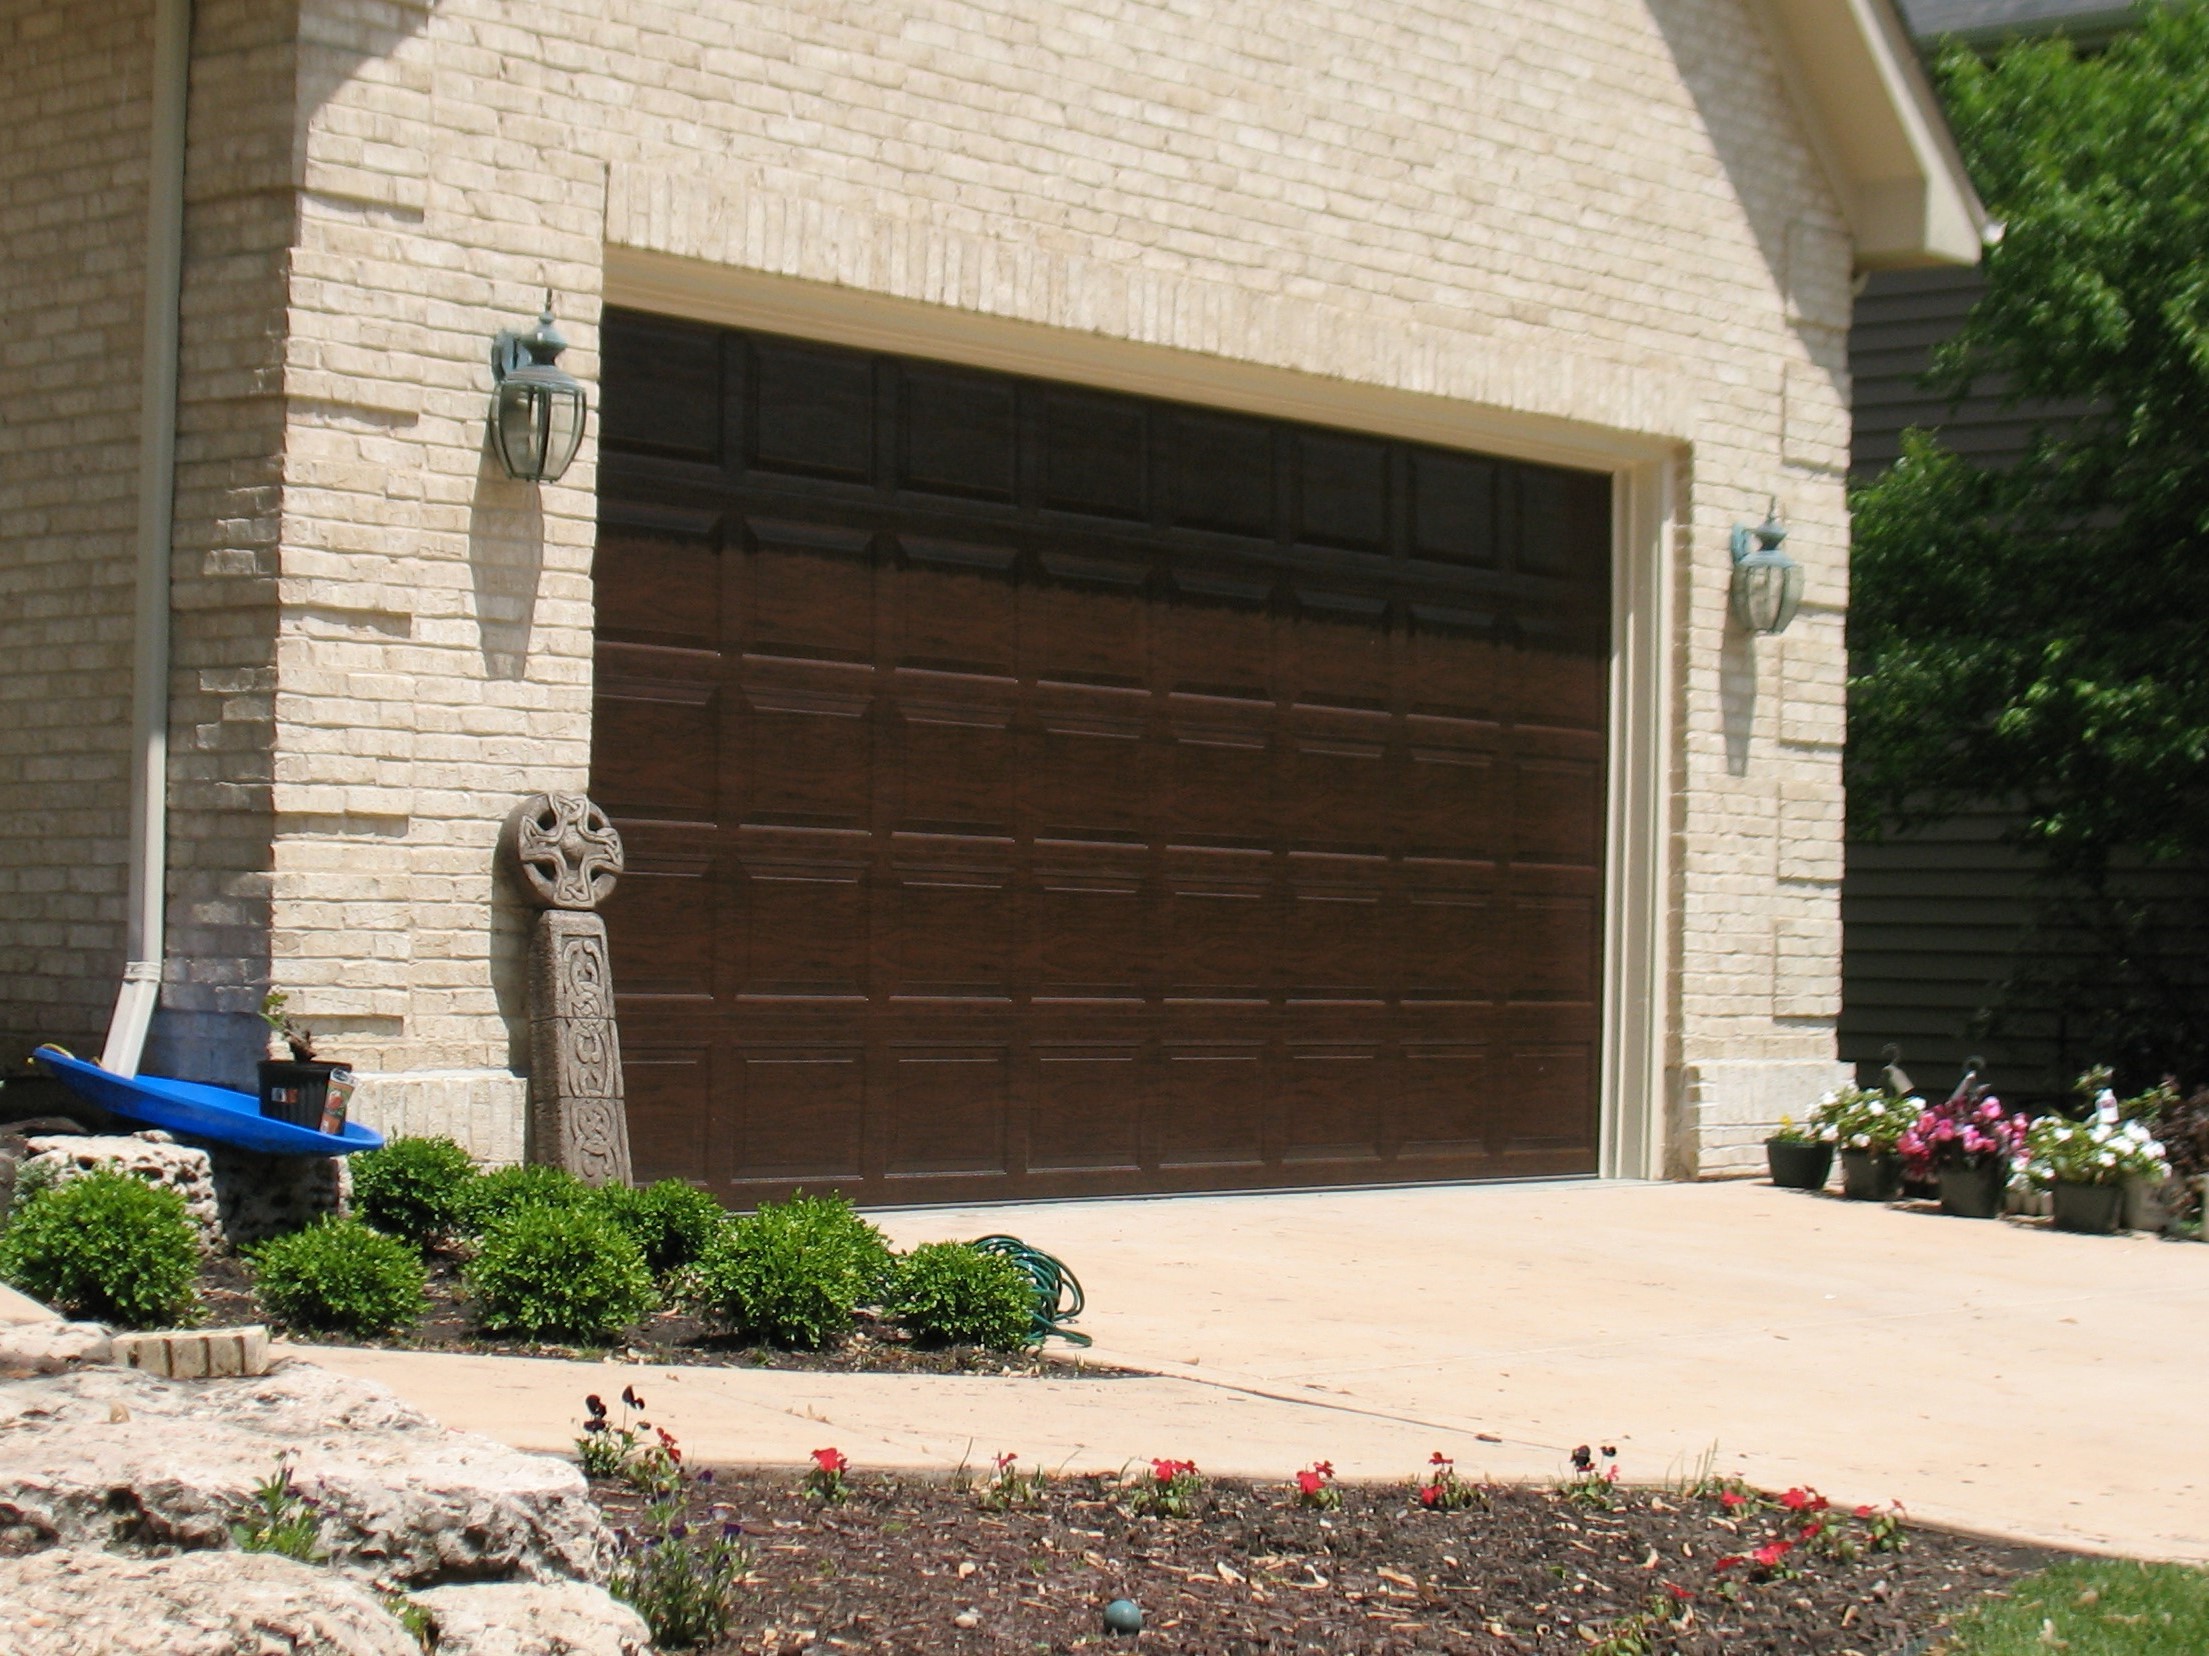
670 1096
1213 649
809 592
957 620
657 746
658 589
805 929
959 433
1037 791
802 1114
811 410
1095 458
1211 1107
1448 1103
946 1109
664 889
1086 1109
807 743
1092 775
1089 634
1554 942
948 934
1556 810
1094 936
1332 1103
957 766
1342 491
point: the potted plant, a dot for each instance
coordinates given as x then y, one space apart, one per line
1971 1144
302 1089
2088 1164
1867 1124
1800 1154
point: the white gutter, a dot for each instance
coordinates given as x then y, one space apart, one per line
144 928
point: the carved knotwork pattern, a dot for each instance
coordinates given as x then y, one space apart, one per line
597 1141
566 851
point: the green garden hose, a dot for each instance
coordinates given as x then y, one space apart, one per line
1058 1296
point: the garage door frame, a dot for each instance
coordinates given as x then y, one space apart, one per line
1637 1011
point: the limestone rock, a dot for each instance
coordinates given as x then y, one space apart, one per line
528 1619
90 1603
51 1347
152 1156
111 1455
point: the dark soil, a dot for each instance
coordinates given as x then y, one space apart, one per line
665 1338
908 1565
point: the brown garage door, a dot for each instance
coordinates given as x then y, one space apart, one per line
1032 791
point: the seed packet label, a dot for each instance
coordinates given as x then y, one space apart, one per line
335 1101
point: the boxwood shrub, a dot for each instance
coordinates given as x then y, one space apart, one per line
794 1273
946 1293
554 1272
340 1277
492 1198
413 1188
106 1246
673 1221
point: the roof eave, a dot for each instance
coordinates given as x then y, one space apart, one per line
1878 129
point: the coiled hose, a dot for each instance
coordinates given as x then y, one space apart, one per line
1058 1295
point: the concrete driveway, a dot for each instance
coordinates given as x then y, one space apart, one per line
1991 1376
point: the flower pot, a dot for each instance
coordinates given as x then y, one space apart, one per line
1974 1190
2092 1208
2145 1208
300 1093
1798 1166
1870 1175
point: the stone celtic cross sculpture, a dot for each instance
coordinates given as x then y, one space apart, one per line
565 856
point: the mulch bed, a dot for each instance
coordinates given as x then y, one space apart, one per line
666 1338
910 1565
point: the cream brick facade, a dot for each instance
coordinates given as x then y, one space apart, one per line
1600 225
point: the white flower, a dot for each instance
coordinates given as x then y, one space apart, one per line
1862 1141
1829 1099
1829 1133
1878 1109
2101 1132
2108 1158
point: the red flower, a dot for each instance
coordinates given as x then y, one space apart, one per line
1729 1561
1431 1495
1865 1511
1795 1499
831 1460
1004 1461
1772 1552
1730 1499
1326 1469
1165 1471
1311 1482
1678 1592
1440 1459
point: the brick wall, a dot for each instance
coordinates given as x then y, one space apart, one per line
75 85
1596 210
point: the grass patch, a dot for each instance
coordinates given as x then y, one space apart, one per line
2098 1608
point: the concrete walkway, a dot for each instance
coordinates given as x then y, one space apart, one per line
1990 1376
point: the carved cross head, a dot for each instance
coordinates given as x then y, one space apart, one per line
563 850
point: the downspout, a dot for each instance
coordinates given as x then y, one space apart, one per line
149 711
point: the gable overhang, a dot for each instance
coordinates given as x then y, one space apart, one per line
1877 127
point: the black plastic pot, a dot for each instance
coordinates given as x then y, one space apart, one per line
1974 1190
2092 1208
295 1092
1870 1176
1797 1166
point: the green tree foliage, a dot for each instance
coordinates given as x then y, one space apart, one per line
2040 632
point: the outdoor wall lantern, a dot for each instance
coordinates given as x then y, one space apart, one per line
1767 583
537 407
